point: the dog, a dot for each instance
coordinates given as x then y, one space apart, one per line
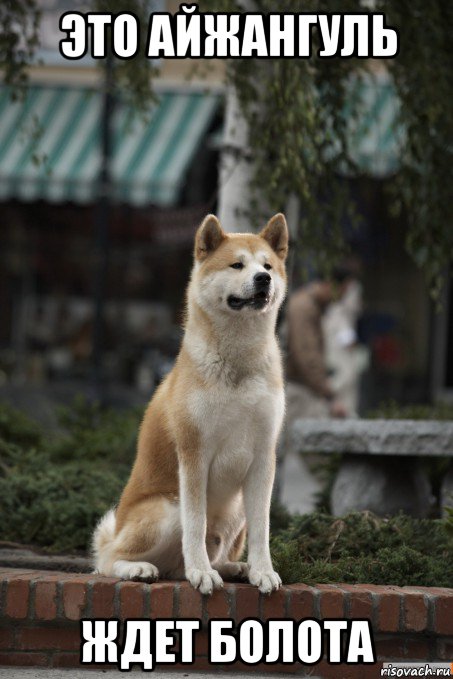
205 463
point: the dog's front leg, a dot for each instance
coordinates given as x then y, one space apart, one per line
257 500
193 487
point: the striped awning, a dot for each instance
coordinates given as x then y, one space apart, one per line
375 136
50 145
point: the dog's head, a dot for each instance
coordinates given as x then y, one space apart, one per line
240 273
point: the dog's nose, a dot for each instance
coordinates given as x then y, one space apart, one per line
262 279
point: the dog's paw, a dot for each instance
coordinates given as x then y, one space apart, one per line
266 581
204 580
135 570
237 570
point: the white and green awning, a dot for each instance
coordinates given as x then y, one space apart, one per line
50 145
375 135
50 142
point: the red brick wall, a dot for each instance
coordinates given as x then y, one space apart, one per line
40 610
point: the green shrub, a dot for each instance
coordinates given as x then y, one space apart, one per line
16 427
391 410
363 548
92 433
53 490
54 506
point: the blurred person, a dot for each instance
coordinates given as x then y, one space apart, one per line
309 391
346 358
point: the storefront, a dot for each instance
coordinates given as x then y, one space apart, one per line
163 178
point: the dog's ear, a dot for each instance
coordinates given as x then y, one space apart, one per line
276 234
209 236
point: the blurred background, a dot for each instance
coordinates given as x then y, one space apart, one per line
98 209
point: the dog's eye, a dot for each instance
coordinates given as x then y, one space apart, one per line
237 265
268 267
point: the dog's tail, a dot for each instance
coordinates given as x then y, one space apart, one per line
102 542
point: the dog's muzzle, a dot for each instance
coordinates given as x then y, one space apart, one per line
260 298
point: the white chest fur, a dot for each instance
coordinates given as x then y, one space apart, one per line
239 409
235 424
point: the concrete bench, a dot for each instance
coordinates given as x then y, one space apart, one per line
380 470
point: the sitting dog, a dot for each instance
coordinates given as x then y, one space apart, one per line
205 462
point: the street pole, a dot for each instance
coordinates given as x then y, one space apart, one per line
101 234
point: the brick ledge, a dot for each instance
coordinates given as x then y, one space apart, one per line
40 610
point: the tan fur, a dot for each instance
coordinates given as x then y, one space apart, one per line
238 546
206 449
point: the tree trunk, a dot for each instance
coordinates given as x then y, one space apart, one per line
236 168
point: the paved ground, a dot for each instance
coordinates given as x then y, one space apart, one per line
44 673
